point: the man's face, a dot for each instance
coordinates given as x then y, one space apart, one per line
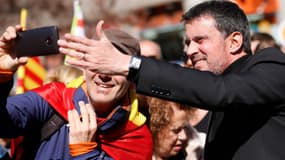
105 90
205 46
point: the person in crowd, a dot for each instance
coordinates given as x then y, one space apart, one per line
245 92
261 40
63 73
4 149
200 121
150 48
171 131
4 153
52 61
102 115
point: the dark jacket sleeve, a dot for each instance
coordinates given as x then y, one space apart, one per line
259 82
5 90
22 113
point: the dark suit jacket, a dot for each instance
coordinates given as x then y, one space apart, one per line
247 100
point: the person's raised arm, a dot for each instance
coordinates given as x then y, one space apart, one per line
8 61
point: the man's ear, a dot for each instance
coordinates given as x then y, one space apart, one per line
235 40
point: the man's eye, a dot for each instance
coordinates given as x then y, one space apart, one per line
199 41
187 42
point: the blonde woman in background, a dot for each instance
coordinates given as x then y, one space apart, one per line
63 73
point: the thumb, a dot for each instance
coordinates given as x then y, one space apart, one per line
99 31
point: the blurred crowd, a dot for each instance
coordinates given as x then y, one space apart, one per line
178 130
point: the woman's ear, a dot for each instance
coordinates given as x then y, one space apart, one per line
235 42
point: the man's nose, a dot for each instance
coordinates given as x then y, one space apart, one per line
189 51
105 77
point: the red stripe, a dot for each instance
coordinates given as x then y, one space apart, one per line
25 88
20 82
37 59
80 22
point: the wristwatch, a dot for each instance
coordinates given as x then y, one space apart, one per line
134 66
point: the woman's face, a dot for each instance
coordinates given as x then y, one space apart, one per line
174 137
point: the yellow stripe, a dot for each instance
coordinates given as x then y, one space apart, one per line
21 69
23 20
135 116
30 83
20 90
36 68
21 72
75 83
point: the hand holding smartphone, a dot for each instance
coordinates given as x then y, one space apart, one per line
37 42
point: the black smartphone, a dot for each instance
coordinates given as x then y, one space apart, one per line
37 42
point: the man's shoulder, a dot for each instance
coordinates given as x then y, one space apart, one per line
58 95
269 54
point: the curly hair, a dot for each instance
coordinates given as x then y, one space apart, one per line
161 112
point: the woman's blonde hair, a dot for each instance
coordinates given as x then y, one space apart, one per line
63 73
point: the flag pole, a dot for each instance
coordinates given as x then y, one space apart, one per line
21 70
32 74
77 24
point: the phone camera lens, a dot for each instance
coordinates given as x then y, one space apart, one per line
48 41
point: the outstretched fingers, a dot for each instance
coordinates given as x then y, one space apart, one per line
79 63
75 42
78 39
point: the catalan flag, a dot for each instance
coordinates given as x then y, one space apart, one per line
32 74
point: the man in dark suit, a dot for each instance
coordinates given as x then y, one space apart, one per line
246 93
